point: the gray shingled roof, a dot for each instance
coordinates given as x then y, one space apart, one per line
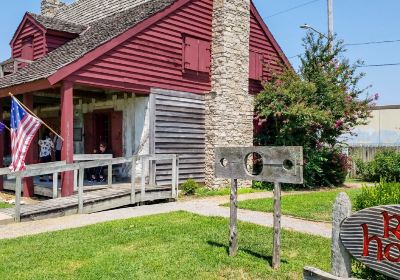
99 32
87 11
59 25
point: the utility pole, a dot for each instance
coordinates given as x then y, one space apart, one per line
330 22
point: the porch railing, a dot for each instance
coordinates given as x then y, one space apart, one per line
59 167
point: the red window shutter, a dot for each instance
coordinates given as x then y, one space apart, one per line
204 56
116 131
27 49
256 66
191 54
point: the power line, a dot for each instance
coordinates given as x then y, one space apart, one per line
378 65
373 42
293 8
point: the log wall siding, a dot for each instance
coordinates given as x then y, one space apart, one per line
179 128
30 29
154 57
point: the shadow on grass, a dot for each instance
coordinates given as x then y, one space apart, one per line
247 251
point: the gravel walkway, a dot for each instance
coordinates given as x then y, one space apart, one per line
206 207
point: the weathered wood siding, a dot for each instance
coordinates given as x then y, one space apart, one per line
154 58
179 128
29 29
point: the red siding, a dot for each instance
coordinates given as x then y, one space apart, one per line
55 40
154 57
261 44
29 29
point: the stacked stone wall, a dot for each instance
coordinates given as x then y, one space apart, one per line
50 7
229 107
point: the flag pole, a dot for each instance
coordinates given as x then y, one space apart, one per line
6 126
33 114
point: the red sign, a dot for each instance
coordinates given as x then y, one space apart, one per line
373 237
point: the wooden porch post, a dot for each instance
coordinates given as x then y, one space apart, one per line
67 130
1 146
27 183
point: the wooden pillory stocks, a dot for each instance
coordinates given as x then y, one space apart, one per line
268 164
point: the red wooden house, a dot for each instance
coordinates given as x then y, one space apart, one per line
132 73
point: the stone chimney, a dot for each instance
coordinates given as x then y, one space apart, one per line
50 7
229 107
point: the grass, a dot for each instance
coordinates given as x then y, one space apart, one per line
314 206
204 192
4 205
169 246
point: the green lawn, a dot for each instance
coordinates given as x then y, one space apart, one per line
204 192
169 246
4 205
315 206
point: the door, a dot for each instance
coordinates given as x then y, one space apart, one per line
116 133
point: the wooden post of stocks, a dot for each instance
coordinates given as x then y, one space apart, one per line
276 256
341 259
233 243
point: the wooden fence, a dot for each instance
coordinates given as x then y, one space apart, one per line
366 154
59 167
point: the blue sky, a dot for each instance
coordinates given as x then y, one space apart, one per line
355 21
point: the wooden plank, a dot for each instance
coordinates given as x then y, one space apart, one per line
179 115
180 100
133 180
276 255
80 190
180 109
180 140
161 123
87 157
173 93
174 103
233 234
55 185
180 136
18 189
181 130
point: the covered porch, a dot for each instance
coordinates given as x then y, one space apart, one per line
85 117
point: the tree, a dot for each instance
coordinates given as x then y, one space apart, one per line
314 108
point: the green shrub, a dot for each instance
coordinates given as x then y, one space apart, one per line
381 194
385 166
189 187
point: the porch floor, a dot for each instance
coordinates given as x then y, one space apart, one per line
118 195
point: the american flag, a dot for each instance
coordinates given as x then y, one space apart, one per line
23 129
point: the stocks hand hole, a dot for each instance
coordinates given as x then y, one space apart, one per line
288 164
224 162
254 164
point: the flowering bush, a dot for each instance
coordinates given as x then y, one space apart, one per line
313 108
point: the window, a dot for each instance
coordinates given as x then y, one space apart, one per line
256 65
27 48
197 55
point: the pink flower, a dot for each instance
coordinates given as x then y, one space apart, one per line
349 98
338 123
376 96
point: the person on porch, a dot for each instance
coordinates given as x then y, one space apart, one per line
97 174
46 146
